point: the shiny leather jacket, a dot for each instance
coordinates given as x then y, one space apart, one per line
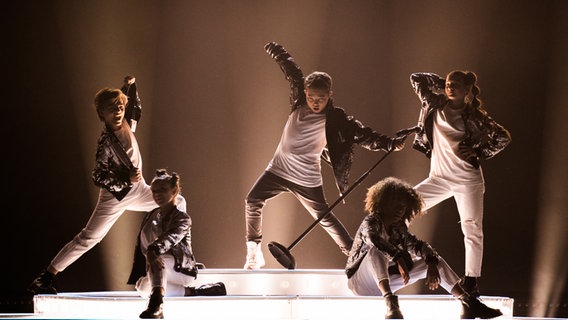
112 166
174 240
394 240
485 135
133 110
342 131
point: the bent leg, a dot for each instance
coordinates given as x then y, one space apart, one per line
448 278
366 281
176 281
418 272
433 191
105 214
267 186
313 199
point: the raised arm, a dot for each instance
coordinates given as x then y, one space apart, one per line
425 86
291 70
133 111
424 83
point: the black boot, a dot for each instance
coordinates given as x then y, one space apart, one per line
469 284
210 289
155 308
43 284
393 311
473 308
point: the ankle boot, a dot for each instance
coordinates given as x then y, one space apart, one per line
210 289
470 285
393 311
155 308
43 284
473 308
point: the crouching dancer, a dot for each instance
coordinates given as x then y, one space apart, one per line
164 264
386 257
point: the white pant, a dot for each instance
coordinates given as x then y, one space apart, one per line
105 214
374 268
469 200
173 282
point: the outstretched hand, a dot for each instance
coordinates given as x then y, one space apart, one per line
397 143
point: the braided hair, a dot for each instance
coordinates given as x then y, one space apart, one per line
468 78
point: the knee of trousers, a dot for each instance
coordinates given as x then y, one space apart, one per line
84 241
471 226
253 204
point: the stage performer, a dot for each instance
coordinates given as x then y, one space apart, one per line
164 264
386 257
315 129
118 174
457 133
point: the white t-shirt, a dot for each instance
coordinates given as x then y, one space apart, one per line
130 145
448 132
297 157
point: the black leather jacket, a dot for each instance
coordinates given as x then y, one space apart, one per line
112 166
174 240
485 135
133 110
342 131
394 240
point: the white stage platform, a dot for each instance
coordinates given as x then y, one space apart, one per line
267 294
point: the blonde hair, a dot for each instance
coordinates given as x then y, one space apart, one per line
108 96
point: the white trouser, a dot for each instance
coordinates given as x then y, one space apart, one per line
374 268
105 214
173 282
469 201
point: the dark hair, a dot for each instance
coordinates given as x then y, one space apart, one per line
108 96
393 189
173 179
318 80
468 78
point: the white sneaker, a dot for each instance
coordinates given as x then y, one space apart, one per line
255 259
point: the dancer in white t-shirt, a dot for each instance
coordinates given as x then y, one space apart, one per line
315 129
456 134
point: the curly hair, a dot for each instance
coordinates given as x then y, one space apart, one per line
393 189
